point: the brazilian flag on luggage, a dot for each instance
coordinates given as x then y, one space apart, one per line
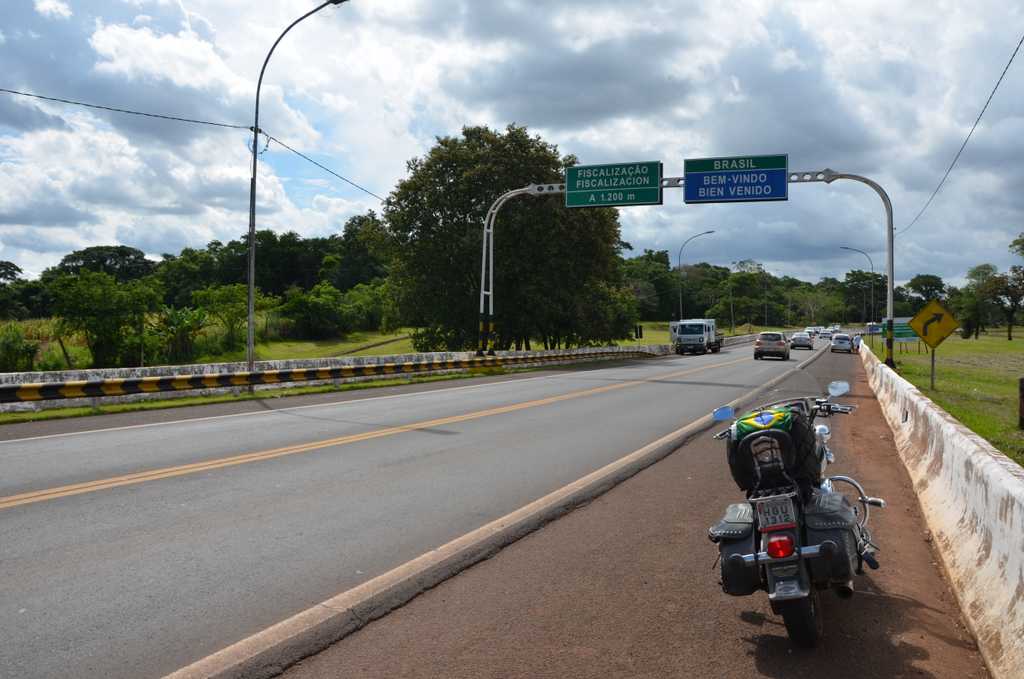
759 420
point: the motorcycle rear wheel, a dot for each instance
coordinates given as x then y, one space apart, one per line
803 619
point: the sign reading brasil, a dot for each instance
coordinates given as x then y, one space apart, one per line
615 184
737 179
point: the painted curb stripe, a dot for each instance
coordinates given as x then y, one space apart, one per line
120 386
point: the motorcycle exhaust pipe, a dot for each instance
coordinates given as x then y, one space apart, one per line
844 590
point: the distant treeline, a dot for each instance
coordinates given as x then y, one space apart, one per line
563 277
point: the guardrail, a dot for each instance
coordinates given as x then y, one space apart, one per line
973 500
123 386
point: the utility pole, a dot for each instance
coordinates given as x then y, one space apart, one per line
250 344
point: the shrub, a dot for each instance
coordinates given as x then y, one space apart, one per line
16 353
317 314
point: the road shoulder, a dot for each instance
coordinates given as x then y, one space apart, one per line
624 587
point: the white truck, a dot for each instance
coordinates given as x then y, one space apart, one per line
695 335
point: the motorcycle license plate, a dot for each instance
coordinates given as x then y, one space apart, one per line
775 513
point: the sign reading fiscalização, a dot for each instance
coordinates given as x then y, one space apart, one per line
613 184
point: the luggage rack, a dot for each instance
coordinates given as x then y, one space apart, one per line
761 494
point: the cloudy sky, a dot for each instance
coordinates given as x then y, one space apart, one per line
880 88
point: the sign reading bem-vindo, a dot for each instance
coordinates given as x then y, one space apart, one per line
738 179
615 184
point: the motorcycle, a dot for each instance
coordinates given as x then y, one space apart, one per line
797 533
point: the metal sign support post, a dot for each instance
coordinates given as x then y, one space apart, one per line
933 368
487 258
828 176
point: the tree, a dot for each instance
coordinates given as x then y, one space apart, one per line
229 306
973 303
655 286
107 313
1017 246
120 261
545 256
360 255
10 305
9 272
187 272
178 329
927 287
318 313
1006 290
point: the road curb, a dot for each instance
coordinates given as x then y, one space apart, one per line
269 652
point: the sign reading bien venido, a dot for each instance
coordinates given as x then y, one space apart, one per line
614 184
737 179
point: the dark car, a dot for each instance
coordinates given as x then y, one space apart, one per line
801 339
771 344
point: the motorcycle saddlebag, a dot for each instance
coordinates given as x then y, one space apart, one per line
829 517
734 534
771 448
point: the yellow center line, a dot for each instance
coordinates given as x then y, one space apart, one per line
197 467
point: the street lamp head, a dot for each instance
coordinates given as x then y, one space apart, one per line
336 2
707 232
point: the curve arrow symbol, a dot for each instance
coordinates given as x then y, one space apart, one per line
934 319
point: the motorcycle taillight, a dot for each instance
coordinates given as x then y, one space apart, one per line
780 545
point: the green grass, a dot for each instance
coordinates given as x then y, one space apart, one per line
84 411
397 343
975 382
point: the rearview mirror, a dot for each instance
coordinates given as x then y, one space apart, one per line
838 388
723 413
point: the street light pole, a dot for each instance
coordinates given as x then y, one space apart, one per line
679 263
250 344
872 264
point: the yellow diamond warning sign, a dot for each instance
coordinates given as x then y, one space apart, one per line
934 323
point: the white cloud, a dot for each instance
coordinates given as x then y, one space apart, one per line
55 9
864 86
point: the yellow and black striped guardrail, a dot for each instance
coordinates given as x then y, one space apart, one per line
120 386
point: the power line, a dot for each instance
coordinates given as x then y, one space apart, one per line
322 167
193 121
125 110
967 139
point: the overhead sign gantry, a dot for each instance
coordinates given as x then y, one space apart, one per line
706 180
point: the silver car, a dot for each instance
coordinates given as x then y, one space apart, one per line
841 342
801 339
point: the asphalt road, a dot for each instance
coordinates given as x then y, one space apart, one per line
627 586
133 551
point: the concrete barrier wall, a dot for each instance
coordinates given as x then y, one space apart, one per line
211 369
292 364
973 500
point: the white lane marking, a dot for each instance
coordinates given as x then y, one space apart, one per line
264 412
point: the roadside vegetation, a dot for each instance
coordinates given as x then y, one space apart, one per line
563 279
976 381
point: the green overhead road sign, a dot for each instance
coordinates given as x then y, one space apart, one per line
614 184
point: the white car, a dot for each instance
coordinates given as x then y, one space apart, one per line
825 335
841 342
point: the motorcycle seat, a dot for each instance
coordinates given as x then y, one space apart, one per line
737 523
